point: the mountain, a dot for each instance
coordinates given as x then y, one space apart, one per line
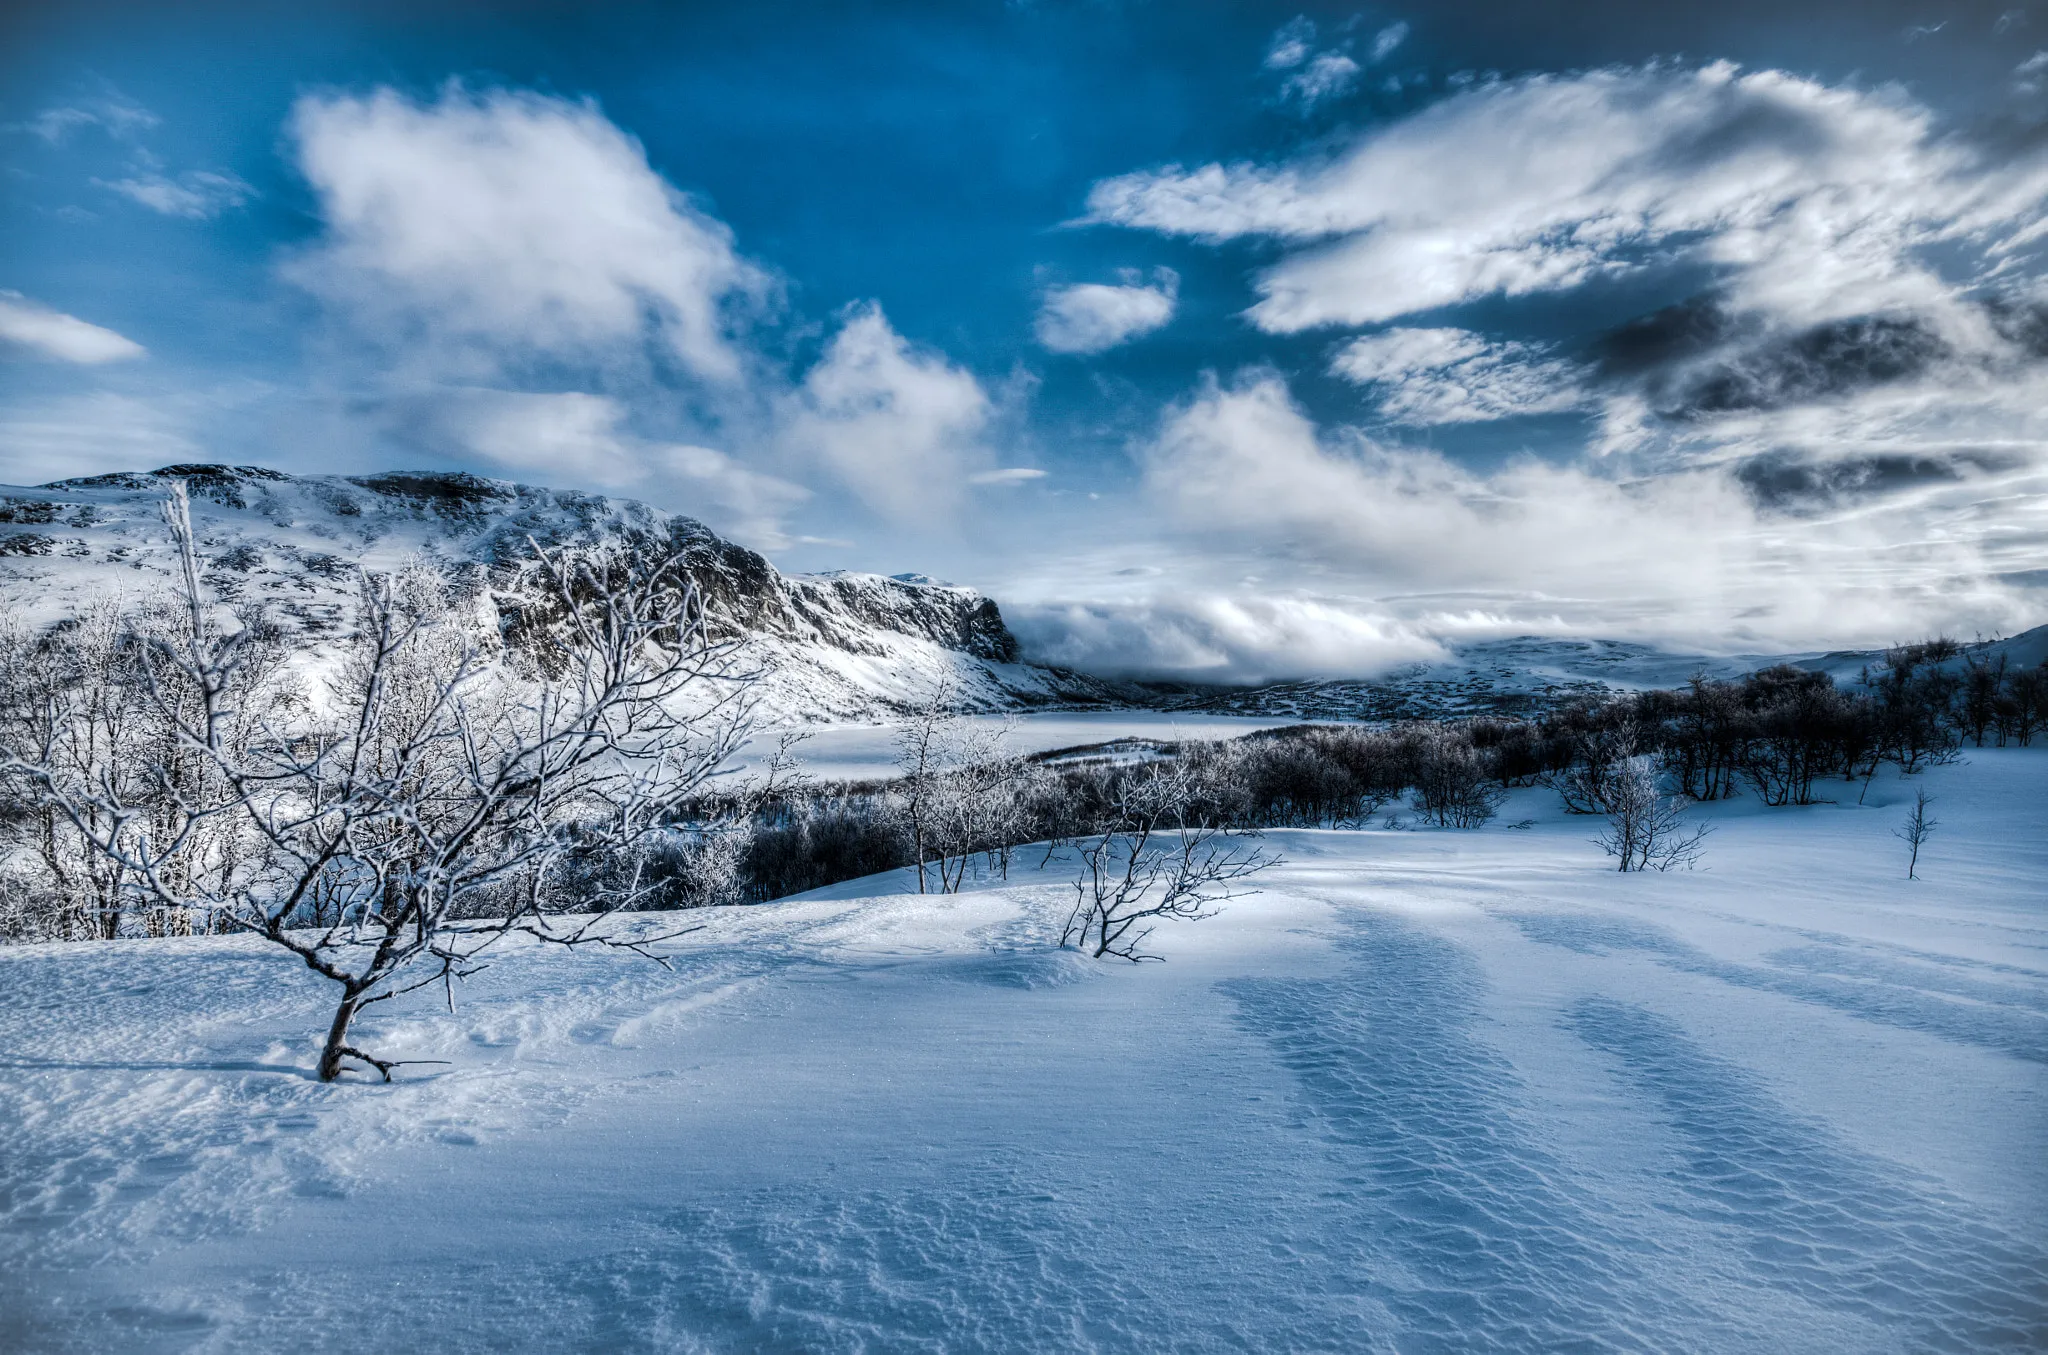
836 646
1526 674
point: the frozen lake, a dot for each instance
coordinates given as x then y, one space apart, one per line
855 752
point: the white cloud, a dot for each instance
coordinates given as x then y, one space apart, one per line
1813 200
1325 77
1387 39
1316 76
52 333
2027 76
1439 376
486 228
197 195
900 427
121 118
1093 317
1007 475
1291 44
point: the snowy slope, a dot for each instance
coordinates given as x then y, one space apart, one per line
1430 1091
840 646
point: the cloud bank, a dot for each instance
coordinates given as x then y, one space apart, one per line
1689 555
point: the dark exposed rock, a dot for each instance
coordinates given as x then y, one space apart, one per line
31 511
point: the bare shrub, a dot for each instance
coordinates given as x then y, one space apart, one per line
1646 829
1601 757
1153 863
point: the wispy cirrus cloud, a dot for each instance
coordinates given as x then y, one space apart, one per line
1315 76
112 112
196 195
1439 376
1811 200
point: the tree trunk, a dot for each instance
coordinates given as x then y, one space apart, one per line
337 1038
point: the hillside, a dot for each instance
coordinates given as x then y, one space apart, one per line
836 646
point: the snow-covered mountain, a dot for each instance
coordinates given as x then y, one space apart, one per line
836 646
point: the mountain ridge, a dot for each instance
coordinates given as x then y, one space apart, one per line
835 646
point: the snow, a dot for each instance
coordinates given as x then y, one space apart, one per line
1429 1090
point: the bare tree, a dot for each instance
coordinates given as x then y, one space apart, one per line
920 753
1916 830
1154 863
1646 828
427 815
972 801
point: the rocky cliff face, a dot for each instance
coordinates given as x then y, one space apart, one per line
838 646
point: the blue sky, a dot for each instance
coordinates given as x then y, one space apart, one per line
1231 341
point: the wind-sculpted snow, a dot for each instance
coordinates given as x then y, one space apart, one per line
2004 1017
1483 1239
1830 1224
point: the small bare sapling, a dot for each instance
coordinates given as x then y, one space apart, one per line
1919 826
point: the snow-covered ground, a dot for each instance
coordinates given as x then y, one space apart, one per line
1430 1090
857 752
